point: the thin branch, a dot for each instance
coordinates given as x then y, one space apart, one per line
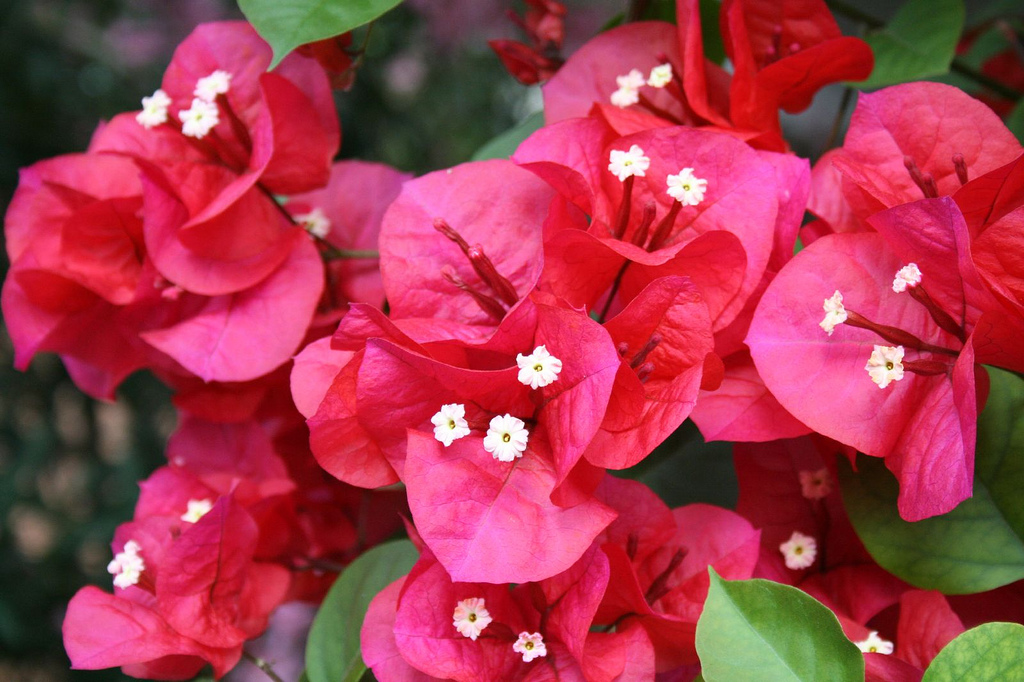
334 253
267 669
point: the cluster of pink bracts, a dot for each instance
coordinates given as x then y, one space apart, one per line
549 317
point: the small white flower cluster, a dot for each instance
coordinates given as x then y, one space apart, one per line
799 551
154 110
687 188
127 565
885 365
471 618
200 118
835 313
531 646
203 116
507 436
197 509
450 423
209 87
875 644
625 164
628 92
539 368
908 277
315 222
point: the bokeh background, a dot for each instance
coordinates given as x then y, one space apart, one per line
429 94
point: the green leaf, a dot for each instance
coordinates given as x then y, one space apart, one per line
502 146
979 545
711 31
993 652
1015 121
332 652
919 42
286 24
765 632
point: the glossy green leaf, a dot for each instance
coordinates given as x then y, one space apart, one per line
919 42
763 631
286 24
502 146
332 651
979 545
993 652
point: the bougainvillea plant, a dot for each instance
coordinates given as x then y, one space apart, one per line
485 361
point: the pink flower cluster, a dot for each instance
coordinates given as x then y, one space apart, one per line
549 317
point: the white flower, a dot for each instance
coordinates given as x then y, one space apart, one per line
885 365
686 188
199 119
450 423
530 646
625 97
506 438
127 565
835 313
815 485
197 509
633 80
875 644
625 164
629 89
660 76
470 617
539 368
908 276
315 222
154 110
208 87
799 551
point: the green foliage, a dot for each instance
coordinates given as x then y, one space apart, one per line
979 545
332 652
765 631
286 24
685 470
711 32
1015 121
918 43
992 652
502 146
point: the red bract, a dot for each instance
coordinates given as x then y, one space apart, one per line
353 205
925 423
782 54
993 207
659 565
464 244
664 337
886 161
557 612
180 290
636 221
538 61
84 207
400 388
741 408
197 598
